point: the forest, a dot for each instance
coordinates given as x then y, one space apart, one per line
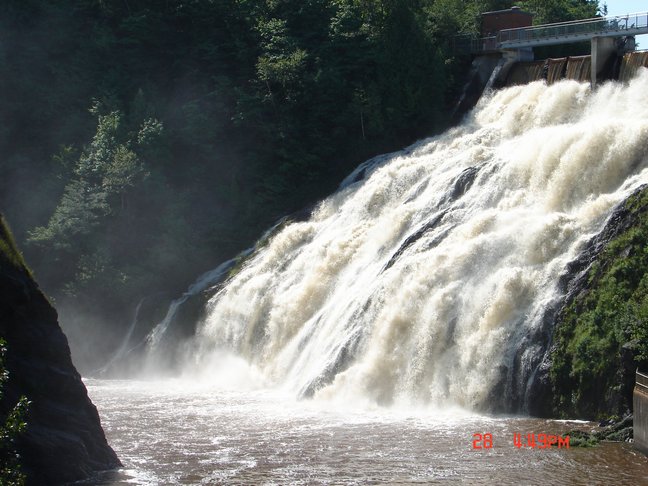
144 142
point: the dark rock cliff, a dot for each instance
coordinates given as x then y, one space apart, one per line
64 440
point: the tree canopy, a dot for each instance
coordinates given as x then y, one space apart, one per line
144 142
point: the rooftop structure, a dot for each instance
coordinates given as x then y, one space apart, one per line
493 22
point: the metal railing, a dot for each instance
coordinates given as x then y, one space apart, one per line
468 44
573 31
630 24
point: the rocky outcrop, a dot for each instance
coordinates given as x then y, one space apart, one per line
64 440
614 431
598 330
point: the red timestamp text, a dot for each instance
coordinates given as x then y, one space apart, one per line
540 441
483 441
530 441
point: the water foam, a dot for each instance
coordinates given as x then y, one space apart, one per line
418 284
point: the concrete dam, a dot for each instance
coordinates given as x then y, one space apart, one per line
509 51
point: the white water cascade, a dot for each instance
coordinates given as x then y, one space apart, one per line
419 284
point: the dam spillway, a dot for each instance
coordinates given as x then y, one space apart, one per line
505 56
577 68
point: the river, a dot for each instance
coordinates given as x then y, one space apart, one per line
421 290
179 432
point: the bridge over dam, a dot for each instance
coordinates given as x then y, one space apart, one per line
504 54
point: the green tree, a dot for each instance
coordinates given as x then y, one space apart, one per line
11 426
549 11
109 174
215 118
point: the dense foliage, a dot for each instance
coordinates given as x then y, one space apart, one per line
12 425
603 335
144 142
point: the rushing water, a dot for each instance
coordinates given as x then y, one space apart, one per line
173 432
411 299
428 281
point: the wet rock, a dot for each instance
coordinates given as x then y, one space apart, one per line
609 430
64 440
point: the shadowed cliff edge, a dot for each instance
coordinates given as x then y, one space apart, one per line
64 440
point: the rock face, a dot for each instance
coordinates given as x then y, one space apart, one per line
64 440
606 391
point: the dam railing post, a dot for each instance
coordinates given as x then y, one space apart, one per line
640 406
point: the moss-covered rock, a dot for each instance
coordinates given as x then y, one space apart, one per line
580 438
601 334
617 430
9 253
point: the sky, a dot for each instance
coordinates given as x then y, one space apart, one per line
622 7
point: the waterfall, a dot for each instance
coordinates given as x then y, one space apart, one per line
206 280
632 61
125 346
555 69
579 68
425 278
525 72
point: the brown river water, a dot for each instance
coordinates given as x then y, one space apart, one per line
172 432
425 279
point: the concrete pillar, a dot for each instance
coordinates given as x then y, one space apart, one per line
640 413
602 49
